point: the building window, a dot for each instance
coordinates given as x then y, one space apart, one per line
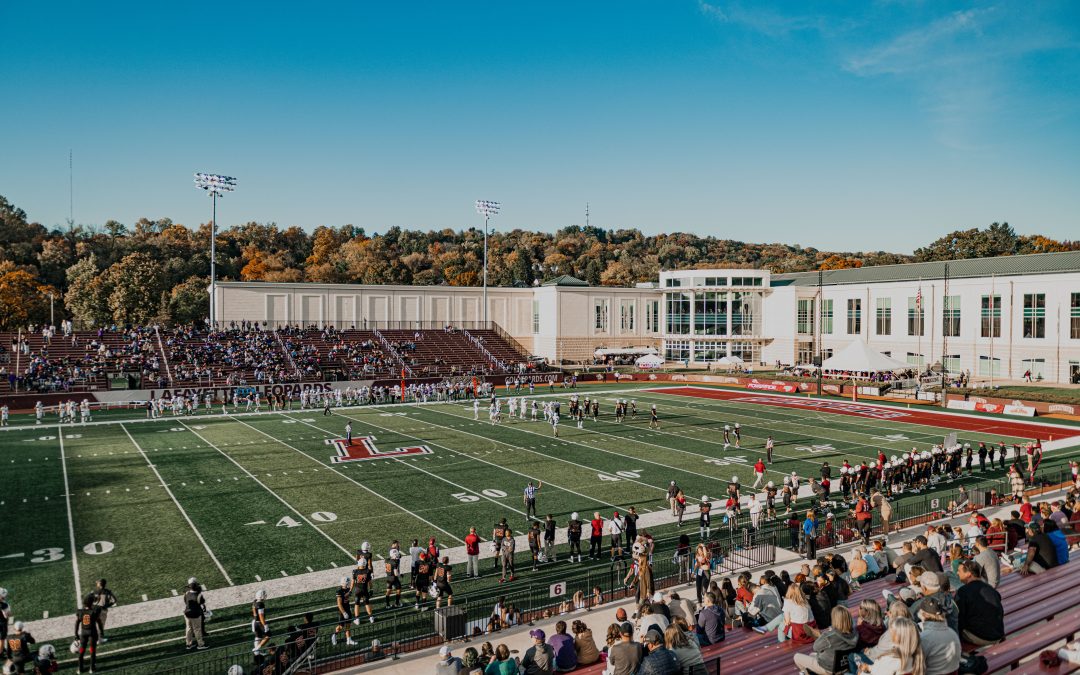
678 313
990 313
709 351
710 313
677 350
536 316
1035 366
805 317
951 362
883 321
626 316
652 316
915 316
673 282
1034 315
600 322
989 366
716 281
804 352
742 314
744 350
826 317
854 316
1074 317
826 353
915 359
950 316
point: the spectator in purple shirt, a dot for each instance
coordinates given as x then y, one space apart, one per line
563 645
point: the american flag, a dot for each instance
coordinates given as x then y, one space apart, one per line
918 298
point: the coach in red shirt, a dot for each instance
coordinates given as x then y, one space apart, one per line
472 549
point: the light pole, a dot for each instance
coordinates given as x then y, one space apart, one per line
486 209
217 186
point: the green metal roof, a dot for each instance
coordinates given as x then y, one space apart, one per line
1004 266
565 280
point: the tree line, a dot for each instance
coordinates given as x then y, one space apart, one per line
156 270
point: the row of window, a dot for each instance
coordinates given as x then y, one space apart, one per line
627 316
714 313
709 351
698 282
1033 316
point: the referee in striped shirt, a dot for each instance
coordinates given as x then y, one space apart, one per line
530 499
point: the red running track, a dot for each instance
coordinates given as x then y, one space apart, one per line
1011 428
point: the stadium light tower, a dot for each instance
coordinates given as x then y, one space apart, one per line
486 209
217 186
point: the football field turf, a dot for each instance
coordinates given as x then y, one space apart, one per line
242 499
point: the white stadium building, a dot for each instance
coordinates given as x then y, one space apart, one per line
994 317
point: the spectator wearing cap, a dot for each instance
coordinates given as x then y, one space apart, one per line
660 660
659 607
981 616
710 622
448 664
624 656
940 643
540 658
1041 553
932 585
563 646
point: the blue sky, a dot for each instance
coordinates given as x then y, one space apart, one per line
850 125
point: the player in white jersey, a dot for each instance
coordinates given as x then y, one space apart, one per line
476 409
3 415
535 407
84 411
555 424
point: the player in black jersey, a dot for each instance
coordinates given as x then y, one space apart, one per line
18 647
443 576
534 536
345 615
549 539
770 500
654 420
45 662
500 531
705 517
104 599
87 631
393 575
422 579
595 409
259 625
361 586
573 536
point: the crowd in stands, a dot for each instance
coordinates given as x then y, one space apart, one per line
237 352
946 608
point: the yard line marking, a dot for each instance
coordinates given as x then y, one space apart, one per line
503 468
462 487
71 523
279 498
181 508
346 477
309 569
175 594
144 598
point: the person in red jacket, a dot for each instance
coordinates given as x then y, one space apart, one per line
864 518
759 472
472 550
597 538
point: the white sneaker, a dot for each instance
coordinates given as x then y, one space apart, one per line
371 619
351 642
333 639
356 621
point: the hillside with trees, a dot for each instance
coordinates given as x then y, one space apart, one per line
158 270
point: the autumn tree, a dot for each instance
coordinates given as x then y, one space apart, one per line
23 299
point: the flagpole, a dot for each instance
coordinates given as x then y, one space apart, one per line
992 306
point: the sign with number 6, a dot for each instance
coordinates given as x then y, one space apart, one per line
557 589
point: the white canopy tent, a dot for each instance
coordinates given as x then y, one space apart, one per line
649 361
860 357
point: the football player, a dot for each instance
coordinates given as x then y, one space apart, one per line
18 647
704 517
393 575
103 600
549 539
5 616
573 536
364 554
361 586
443 575
259 625
345 614
533 536
654 421
87 630
421 580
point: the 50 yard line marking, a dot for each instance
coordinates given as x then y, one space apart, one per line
71 522
181 508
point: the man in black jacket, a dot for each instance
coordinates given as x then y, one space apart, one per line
982 618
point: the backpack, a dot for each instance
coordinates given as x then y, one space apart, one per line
973 664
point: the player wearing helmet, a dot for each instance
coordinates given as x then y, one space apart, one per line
443 576
345 615
573 536
194 611
421 580
704 517
361 587
18 646
654 419
259 624
393 574
770 500
5 616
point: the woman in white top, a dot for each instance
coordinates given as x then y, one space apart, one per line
796 618
905 657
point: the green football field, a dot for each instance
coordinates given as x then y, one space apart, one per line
240 499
